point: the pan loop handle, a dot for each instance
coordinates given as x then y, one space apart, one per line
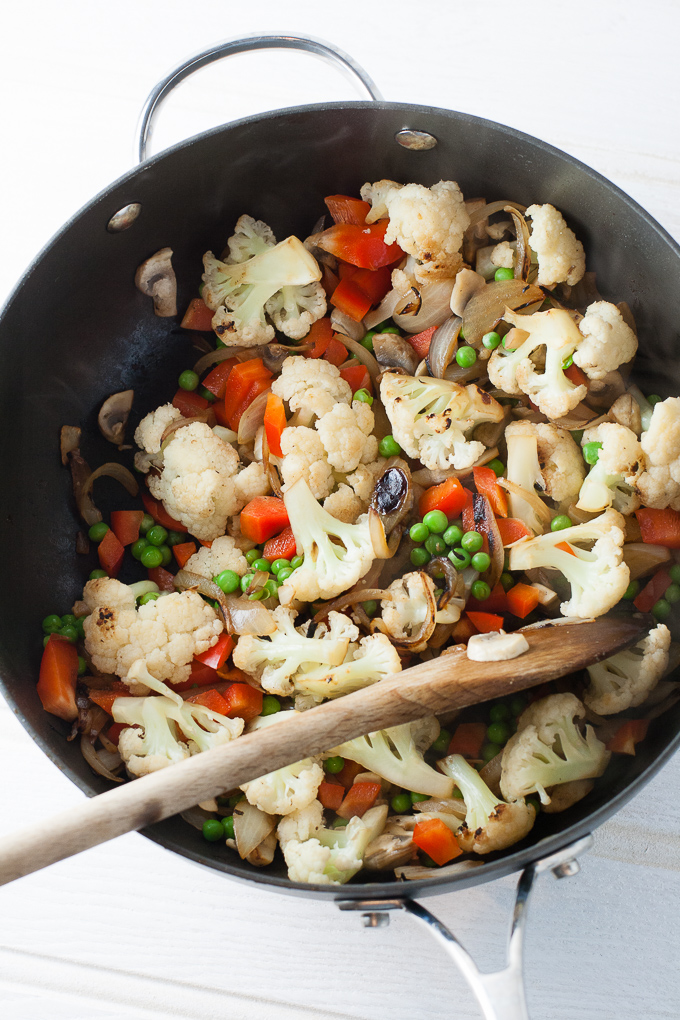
308 44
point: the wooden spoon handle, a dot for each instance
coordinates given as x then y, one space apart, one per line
443 684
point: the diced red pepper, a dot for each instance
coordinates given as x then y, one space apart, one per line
105 699
660 527
281 547
216 656
189 403
487 485
331 795
375 283
245 382
320 335
216 380
58 675
346 271
263 517
336 352
111 553
358 378
183 552
160 515
349 298
630 733
349 772
114 731
512 529
565 547
363 246
435 839
497 601
200 676
486 622
358 799
576 376
449 497
211 699
198 316
274 423
654 590
420 342
258 387
125 525
162 577
468 739
522 599
345 209
243 702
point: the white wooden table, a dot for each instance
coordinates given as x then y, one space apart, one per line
127 930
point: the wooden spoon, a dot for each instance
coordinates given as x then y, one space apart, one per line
446 683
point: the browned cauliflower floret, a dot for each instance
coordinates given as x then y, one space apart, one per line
429 224
609 341
561 258
305 457
659 485
311 386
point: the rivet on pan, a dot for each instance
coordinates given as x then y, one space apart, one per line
417 140
567 869
375 920
124 218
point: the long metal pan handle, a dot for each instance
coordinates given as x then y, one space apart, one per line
308 44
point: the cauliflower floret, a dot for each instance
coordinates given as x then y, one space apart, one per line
165 634
627 678
429 224
106 591
376 194
223 554
333 856
659 485
515 372
609 341
252 481
545 456
301 824
294 309
503 255
344 505
612 480
561 258
289 789
490 824
548 749
304 457
430 418
197 484
150 430
346 436
373 660
311 386
598 577
364 478
251 237
275 662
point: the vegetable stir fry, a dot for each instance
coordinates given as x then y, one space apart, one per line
409 435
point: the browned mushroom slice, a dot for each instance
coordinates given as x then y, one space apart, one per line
156 279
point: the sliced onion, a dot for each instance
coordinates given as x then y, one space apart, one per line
485 310
352 598
200 342
580 417
271 470
443 346
535 502
100 761
485 211
364 356
195 816
80 474
69 441
385 309
109 470
477 372
241 616
383 549
252 418
206 417
251 827
435 308
523 258
221 354
491 432
342 323
82 543
641 558
454 586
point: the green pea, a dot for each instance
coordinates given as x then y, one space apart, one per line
389 447
279 565
235 799
672 593
271 588
481 561
297 561
568 362
417 797
68 620
228 581
246 581
535 801
419 557
252 555
213 830
166 553
367 341
435 545
364 396
460 558
69 632
391 329
149 597
632 591
270 705
334 765
472 541
80 626
436 521
419 532
339 823
96 574
499 713
507 580
157 535
97 531
51 623
560 522
284 573
653 399
151 557
591 452
441 744
147 522
577 435
207 395
480 591
453 535
504 274
490 751
401 803
675 573
188 380
466 356
517 704
138 547
261 564
82 666
370 607
457 794
491 340
175 538
228 825
498 733
497 466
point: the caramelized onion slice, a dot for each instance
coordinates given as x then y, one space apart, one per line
241 616
108 470
352 598
535 502
100 761
485 310
80 473
215 357
523 256
454 583
206 417
642 558
443 346
252 418
365 357
251 827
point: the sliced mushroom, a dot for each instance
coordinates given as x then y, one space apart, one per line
393 351
468 283
567 794
626 411
156 279
389 851
113 416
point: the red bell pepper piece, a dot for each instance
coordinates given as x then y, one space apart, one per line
211 699
497 601
448 497
243 701
486 622
421 341
105 699
183 552
162 577
512 529
274 423
125 525
358 378
522 599
216 656
358 799
345 209
576 376
486 484
654 590
114 731
320 335
189 403
346 271
281 547
331 795
259 386
468 739
198 316
349 298
216 380
630 733
336 352
363 246
200 676
245 382
263 517
160 515
660 527
349 772
375 283
111 553
58 675
435 839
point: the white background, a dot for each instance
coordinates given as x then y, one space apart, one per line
126 930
